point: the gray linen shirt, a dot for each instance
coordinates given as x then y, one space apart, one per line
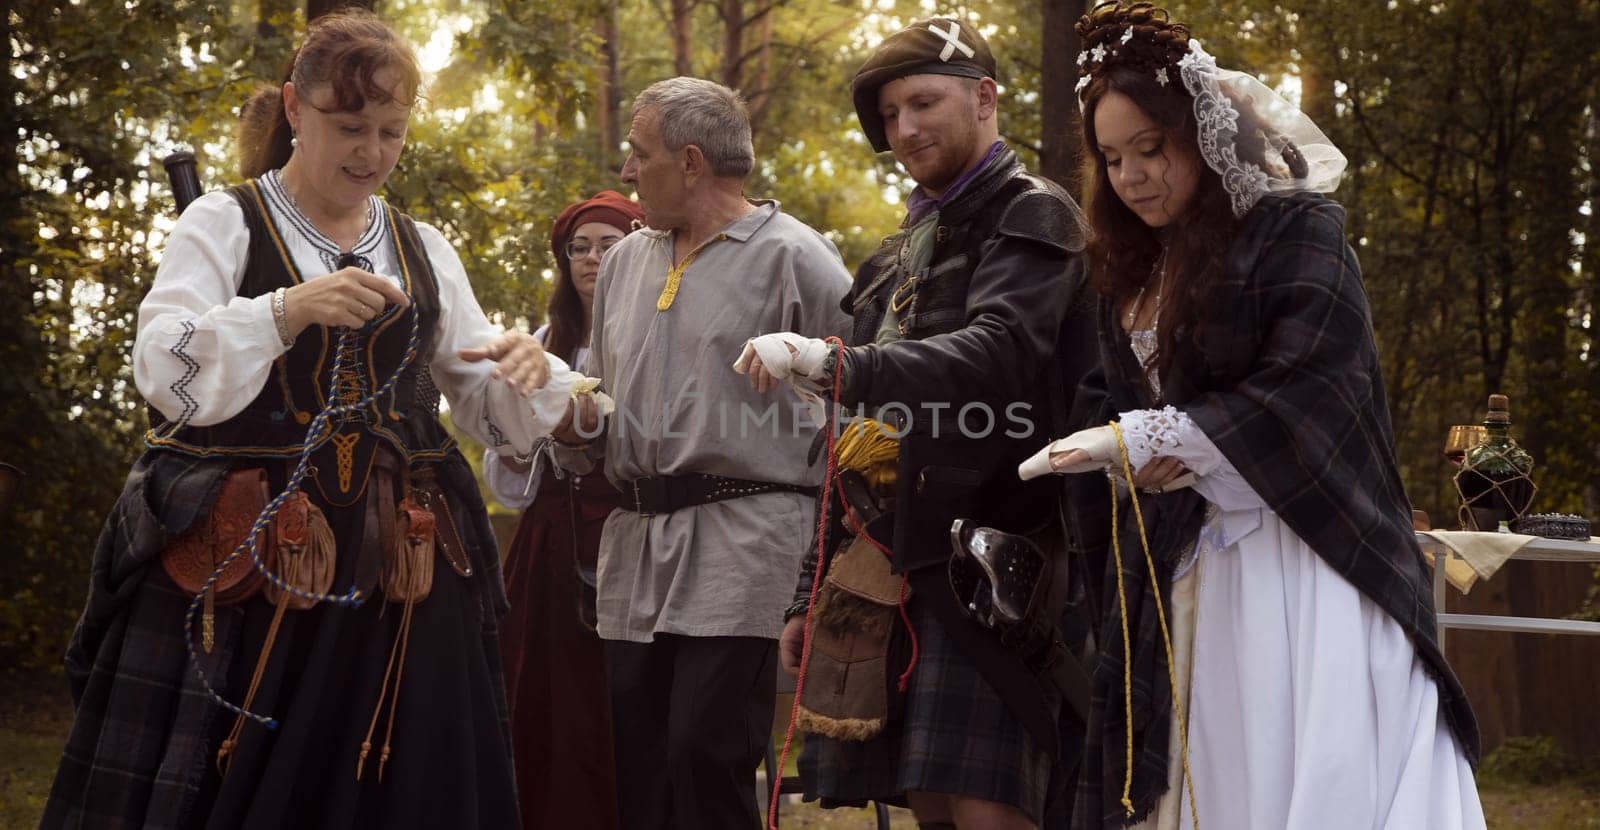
727 568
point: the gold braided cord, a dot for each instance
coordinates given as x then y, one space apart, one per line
344 447
868 448
1166 637
1127 650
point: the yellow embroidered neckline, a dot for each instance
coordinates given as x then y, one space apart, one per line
669 292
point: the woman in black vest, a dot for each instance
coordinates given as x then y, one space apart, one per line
293 615
1274 663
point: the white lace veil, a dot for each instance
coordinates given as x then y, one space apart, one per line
1294 154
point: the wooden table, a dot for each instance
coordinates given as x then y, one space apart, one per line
1539 550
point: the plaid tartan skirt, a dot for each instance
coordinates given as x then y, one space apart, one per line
952 734
142 750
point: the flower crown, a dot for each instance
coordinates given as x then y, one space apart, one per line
1139 36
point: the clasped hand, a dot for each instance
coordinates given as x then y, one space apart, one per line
347 297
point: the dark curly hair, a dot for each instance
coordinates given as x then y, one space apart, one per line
1123 250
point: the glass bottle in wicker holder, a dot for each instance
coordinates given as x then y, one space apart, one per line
1495 482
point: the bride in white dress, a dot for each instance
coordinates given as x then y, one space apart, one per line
1305 688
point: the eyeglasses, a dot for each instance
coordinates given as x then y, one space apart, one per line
579 250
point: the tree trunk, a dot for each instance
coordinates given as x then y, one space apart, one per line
1590 284
609 92
1060 133
761 94
682 29
733 44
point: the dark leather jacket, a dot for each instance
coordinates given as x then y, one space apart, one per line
1000 322
996 333
989 334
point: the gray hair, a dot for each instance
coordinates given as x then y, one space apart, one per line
706 114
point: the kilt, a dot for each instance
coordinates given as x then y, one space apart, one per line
952 734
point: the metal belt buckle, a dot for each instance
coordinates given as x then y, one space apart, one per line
638 499
995 575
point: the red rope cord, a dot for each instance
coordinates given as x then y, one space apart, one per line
828 480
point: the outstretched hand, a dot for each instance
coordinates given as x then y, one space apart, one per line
519 359
1061 462
1154 476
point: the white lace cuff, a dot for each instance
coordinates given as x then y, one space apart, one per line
1170 432
1151 433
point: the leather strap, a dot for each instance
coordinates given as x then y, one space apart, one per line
654 495
448 538
378 523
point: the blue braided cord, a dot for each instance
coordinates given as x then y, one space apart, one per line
321 427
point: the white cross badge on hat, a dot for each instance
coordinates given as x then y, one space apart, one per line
952 41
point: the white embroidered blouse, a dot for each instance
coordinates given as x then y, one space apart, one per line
205 352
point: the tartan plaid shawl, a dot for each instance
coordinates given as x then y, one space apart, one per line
1286 382
121 766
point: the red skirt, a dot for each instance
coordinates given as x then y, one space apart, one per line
555 664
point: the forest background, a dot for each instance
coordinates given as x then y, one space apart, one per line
1472 127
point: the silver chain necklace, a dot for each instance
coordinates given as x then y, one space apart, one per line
1157 276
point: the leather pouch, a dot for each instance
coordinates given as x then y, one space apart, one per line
846 693
191 558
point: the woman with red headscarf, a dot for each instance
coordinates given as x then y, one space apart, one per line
555 664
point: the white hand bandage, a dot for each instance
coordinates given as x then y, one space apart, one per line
1099 442
804 361
795 360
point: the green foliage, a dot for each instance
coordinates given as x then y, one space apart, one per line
1536 760
77 234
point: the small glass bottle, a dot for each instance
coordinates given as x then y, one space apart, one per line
1497 464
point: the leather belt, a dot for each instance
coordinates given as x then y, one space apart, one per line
654 495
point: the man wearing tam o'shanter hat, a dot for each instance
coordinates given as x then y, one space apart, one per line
970 333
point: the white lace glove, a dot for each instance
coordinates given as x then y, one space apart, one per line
1156 433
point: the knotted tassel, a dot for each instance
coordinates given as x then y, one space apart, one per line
408 579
